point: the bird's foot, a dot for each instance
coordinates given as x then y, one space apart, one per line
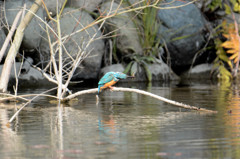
111 88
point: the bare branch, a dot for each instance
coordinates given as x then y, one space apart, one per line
120 89
14 116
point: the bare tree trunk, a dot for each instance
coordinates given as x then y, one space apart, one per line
4 79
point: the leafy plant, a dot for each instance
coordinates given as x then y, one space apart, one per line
232 42
215 4
236 5
228 51
221 61
138 61
148 29
219 4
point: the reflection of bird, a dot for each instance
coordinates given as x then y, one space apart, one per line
110 79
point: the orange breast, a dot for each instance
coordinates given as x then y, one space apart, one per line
109 84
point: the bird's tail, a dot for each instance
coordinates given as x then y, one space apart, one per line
99 89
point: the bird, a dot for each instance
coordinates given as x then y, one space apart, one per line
109 79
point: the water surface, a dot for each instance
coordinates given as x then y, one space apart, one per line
126 125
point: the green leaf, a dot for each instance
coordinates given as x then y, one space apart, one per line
236 7
223 57
227 9
224 73
215 4
127 69
148 72
134 68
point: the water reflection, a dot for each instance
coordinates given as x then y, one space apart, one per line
127 125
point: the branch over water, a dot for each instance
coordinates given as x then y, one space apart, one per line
121 89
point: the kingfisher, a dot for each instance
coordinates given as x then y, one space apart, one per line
110 79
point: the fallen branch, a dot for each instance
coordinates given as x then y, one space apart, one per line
120 89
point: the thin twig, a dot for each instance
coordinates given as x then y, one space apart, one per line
10 97
14 116
22 97
122 11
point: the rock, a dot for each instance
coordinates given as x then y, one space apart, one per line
199 72
89 5
33 31
2 37
51 6
203 5
111 68
182 30
29 77
2 40
90 66
127 39
162 72
33 77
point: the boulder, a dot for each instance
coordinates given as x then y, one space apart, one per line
77 43
32 34
111 68
51 6
29 76
182 30
89 5
127 38
2 37
2 40
160 72
33 77
199 72
203 5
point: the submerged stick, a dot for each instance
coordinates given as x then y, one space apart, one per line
121 89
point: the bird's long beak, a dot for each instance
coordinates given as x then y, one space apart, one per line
130 76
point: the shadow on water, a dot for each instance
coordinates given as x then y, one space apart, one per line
127 125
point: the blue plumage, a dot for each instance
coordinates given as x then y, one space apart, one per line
110 79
